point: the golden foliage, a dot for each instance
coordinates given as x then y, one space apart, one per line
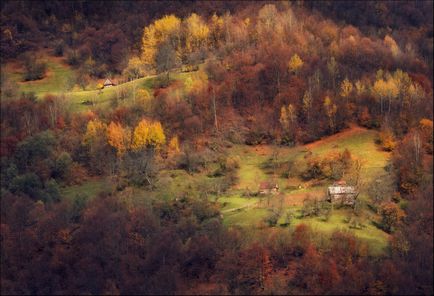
197 82
393 46
295 63
331 110
94 129
118 138
386 89
148 134
307 102
426 124
288 116
197 33
164 29
134 68
346 88
387 140
360 87
173 147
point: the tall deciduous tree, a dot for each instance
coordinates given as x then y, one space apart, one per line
330 109
118 137
166 29
197 33
295 64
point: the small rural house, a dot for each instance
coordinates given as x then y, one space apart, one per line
342 193
108 83
268 187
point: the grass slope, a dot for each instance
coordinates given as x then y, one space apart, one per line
58 77
360 142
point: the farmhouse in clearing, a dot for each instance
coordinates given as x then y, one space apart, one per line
268 187
342 193
108 83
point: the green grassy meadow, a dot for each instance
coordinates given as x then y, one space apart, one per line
360 142
60 77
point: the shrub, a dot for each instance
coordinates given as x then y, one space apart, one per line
62 165
190 160
34 69
391 216
59 48
332 166
272 218
29 184
72 58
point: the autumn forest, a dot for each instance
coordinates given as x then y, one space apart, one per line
216 147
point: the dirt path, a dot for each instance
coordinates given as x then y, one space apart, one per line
352 130
239 208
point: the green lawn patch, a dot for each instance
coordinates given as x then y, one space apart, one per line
90 189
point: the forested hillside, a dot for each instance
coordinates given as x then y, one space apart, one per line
168 147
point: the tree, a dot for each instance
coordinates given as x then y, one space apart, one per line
330 110
385 90
148 134
197 33
267 20
387 139
118 138
166 29
216 34
94 129
295 63
307 104
391 215
391 43
346 88
134 70
95 140
35 69
165 59
332 68
360 88
173 147
288 120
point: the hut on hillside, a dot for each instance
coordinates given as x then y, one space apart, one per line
108 83
341 193
268 187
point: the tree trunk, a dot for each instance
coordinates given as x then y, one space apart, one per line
215 110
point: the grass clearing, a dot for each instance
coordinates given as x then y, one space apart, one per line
57 79
60 78
359 141
90 189
252 217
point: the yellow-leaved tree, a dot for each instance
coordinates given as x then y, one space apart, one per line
95 130
118 137
295 63
385 89
346 88
197 33
330 109
148 134
166 29
173 147
217 32
288 116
